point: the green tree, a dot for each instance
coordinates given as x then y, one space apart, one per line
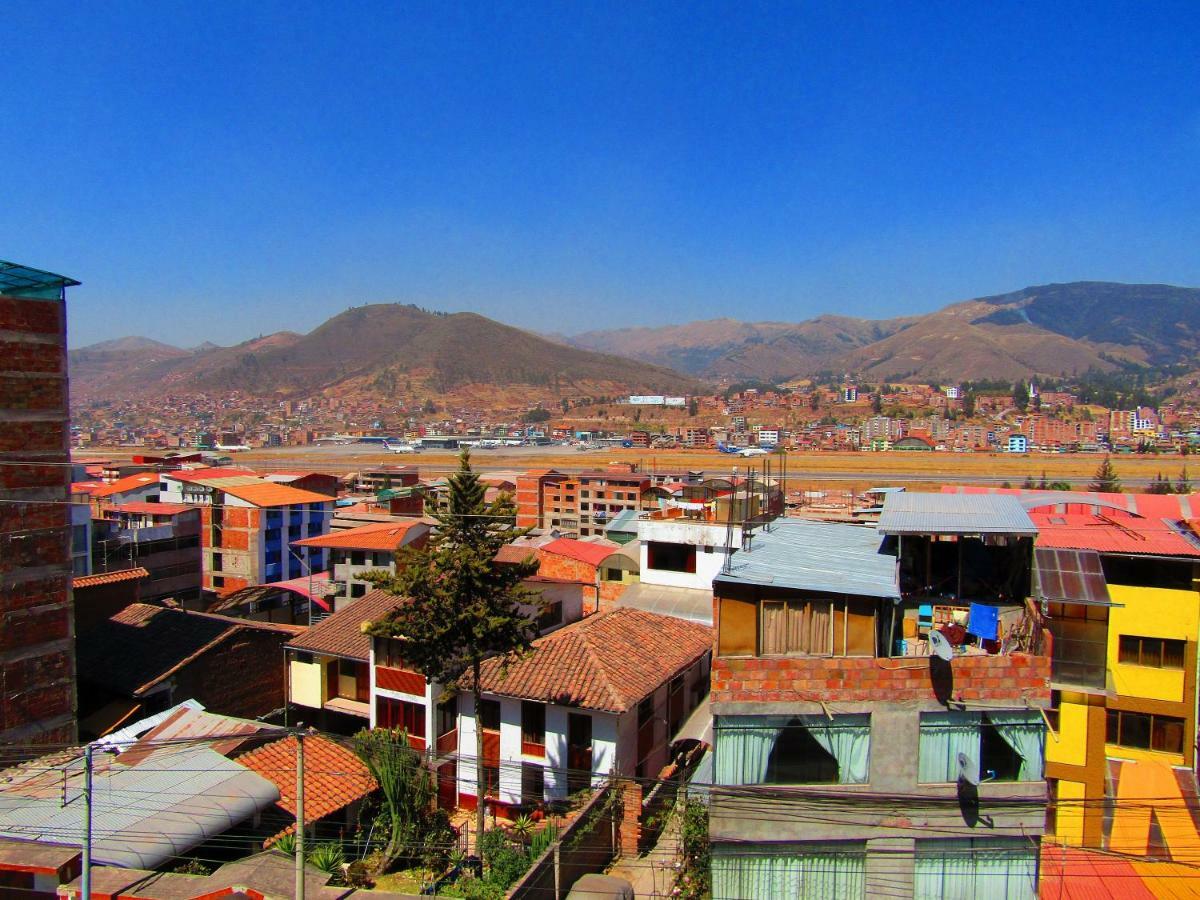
464 607
968 405
693 407
1020 396
1184 484
1105 480
877 403
1043 485
1159 485
538 414
405 784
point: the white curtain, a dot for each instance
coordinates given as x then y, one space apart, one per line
743 746
811 871
848 740
943 736
1024 732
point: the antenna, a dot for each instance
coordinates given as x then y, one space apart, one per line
940 646
968 770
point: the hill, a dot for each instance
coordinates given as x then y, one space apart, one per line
1047 330
381 350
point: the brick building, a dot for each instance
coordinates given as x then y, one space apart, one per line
902 773
36 625
582 504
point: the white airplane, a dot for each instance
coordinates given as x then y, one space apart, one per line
753 451
401 448
233 448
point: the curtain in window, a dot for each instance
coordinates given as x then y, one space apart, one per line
814 872
943 736
848 740
1023 732
810 627
743 746
975 870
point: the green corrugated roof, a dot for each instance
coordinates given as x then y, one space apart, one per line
17 280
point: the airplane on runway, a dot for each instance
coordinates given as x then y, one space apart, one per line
743 451
232 448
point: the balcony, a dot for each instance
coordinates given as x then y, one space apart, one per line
448 742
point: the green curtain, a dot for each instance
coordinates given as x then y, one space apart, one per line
811 871
848 740
966 869
742 748
943 736
1024 732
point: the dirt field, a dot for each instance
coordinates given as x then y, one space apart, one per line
922 471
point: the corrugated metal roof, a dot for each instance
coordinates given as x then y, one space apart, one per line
142 815
912 513
625 521
692 604
817 556
1128 535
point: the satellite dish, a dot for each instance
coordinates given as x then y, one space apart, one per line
968 770
940 646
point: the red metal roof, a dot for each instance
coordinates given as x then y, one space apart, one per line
585 551
1069 873
376 536
1105 534
128 483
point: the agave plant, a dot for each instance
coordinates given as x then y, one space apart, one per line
522 826
287 844
327 857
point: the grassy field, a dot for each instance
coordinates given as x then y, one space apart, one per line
852 470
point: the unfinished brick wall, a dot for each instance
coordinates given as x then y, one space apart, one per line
37 666
1015 677
241 676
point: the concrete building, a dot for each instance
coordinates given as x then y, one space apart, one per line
352 552
581 504
37 668
163 538
863 765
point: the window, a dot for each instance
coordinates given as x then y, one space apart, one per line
533 783
533 728
353 680
671 557
392 713
610 574
447 717
489 714
387 653
738 624
806 749
358 558
1160 653
999 745
218 581
218 562
1144 731
817 628
975 867
358 590
834 869
550 616
382 560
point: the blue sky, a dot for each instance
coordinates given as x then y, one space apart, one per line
216 171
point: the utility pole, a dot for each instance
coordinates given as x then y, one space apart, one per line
299 894
87 822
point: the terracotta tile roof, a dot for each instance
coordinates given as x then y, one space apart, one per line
87 581
333 777
141 645
143 508
128 483
86 487
268 493
590 552
609 661
515 553
375 536
341 634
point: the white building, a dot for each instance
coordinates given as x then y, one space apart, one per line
603 696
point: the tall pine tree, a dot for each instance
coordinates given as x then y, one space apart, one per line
463 606
1105 480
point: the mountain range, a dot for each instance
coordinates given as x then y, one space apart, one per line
391 350
1055 329
401 351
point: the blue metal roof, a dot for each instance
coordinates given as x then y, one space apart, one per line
828 557
17 280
